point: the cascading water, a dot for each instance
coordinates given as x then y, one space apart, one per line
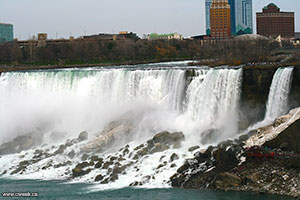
70 101
277 104
279 92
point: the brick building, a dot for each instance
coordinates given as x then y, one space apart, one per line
220 22
272 22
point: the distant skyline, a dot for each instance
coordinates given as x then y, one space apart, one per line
62 18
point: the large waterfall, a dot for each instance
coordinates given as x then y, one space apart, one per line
57 105
70 101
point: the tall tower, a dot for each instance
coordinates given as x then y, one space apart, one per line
220 21
243 17
207 16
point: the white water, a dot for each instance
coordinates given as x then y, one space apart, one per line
69 102
279 92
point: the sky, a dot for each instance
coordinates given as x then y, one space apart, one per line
63 18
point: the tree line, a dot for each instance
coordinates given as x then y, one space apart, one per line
119 51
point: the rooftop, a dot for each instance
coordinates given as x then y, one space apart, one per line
162 35
270 4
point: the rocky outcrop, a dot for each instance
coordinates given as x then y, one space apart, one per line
272 167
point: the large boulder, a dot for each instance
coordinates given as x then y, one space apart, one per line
83 136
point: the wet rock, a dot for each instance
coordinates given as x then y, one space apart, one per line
173 157
162 158
69 143
71 154
183 168
63 164
99 178
99 164
162 165
76 172
60 150
125 151
83 136
49 164
95 158
173 165
84 157
168 138
38 151
139 147
105 181
193 148
107 164
113 158
82 165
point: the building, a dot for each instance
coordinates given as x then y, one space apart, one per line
155 36
271 22
241 17
6 32
123 35
220 22
207 16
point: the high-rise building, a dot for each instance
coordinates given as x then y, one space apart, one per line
207 16
6 32
272 22
220 22
241 16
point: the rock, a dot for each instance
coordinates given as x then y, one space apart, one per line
244 138
99 178
71 154
173 157
139 147
183 168
38 151
76 172
227 180
82 165
99 164
173 165
95 158
167 138
60 150
193 148
84 157
83 136
107 164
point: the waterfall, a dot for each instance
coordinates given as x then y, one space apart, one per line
277 104
151 99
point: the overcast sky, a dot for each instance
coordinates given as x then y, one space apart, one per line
63 18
